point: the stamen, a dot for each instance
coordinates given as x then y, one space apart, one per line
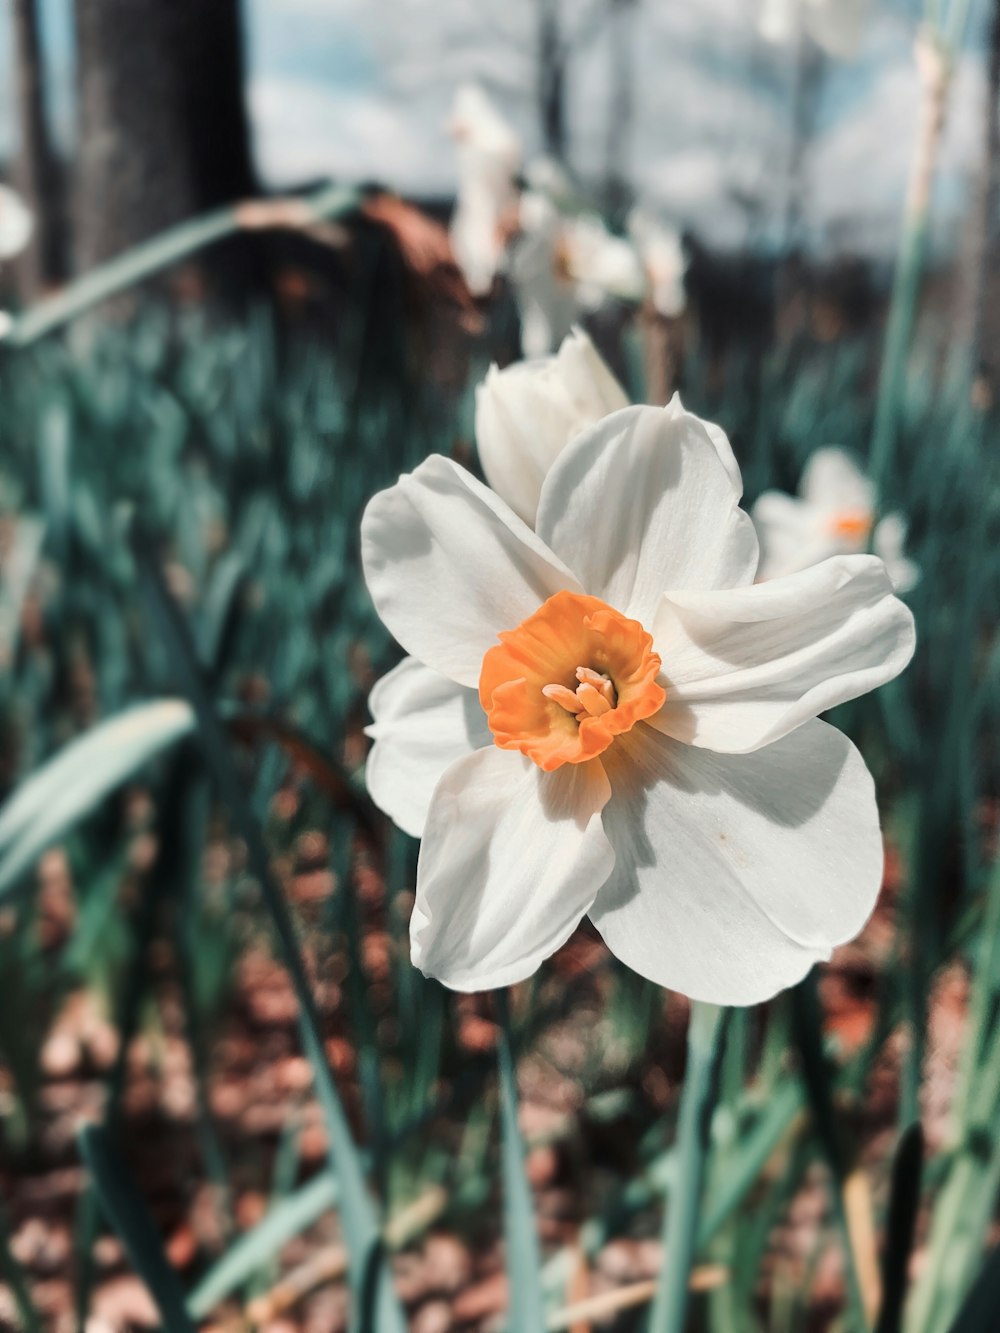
560 694
587 676
595 695
593 700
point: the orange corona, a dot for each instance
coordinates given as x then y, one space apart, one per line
568 680
853 525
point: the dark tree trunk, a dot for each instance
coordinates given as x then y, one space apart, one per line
617 185
37 172
163 127
552 57
978 327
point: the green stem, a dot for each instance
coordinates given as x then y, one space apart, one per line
524 1264
706 1038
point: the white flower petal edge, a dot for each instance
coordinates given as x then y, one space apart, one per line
833 481
527 413
718 437
744 667
734 875
423 723
448 566
512 859
792 534
641 503
889 543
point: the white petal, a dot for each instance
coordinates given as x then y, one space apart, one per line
888 543
602 263
719 438
641 503
833 480
793 534
528 413
449 566
733 875
512 858
17 223
423 723
742 668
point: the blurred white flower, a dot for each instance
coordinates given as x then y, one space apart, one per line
835 25
543 289
16 223
562 266
6 323
489 159
600 263
832 515
528 413
662 254
546 176
656 758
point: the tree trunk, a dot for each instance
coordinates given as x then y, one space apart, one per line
163 127
37 172
552 80
617 185
978 291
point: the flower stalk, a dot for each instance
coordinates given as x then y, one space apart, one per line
524 1264
935 69
705 1044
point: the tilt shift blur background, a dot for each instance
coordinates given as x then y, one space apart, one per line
254 259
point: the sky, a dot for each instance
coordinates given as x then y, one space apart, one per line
360 89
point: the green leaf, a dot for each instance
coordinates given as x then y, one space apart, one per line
362 1232
705 1044
981 1311
904 1202
153 256
281 1224
80 776
527 1312
127 1213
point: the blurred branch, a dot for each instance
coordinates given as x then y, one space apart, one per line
705 1278
172 246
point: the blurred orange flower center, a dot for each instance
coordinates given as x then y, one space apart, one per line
852 524
568 680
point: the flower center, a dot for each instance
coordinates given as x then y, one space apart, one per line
853 525
568 680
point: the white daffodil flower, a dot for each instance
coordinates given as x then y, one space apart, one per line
832 515
16 223
528 413
836 26
561 266
489 159
600 263
543 289
662 254
605 716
